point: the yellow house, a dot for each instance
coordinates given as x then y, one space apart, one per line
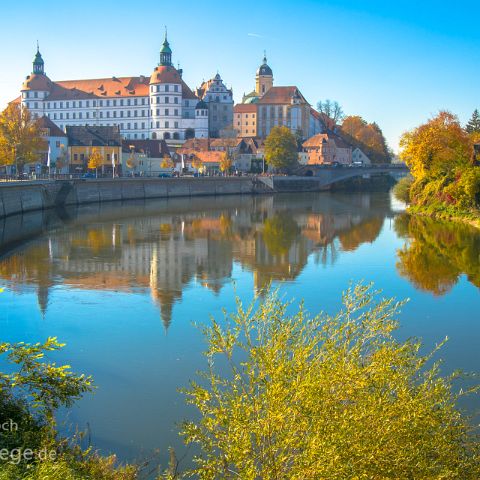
85 140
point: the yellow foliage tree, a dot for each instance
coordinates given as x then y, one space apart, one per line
167 162
226 163
439 154
197 162
95 160
20 140
326 397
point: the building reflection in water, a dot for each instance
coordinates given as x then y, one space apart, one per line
161 246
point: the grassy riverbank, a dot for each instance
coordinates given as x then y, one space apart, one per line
435 209
444 162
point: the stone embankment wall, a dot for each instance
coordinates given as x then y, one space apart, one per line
21 197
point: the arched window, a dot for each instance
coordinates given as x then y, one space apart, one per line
166 135
176 136
189 133
154 136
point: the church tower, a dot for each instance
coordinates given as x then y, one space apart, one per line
264 78
166 53
38 64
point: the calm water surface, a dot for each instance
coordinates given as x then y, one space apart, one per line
121 284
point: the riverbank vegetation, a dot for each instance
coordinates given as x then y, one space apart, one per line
438 253
444 160
284 395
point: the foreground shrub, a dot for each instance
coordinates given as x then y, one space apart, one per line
329 397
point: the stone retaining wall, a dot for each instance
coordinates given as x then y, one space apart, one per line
21 197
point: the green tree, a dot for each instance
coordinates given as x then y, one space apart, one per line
20 140
281 149
279 233
330 397
473 125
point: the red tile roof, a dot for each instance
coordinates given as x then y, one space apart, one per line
106 87
245 108
281 95
317 140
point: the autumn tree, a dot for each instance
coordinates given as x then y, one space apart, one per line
366 136
226 163
439 155
332 113
95 160
281 149
167 162
473 125
331 397
197 162
20 140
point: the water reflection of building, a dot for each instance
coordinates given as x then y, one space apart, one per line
162 253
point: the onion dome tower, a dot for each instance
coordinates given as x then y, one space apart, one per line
166 52
264 78
166 97
36 87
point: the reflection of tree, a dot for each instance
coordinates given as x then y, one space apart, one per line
279 233
438 253
365 232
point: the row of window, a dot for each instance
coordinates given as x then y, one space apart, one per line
165 100
166 88
101 103
246 123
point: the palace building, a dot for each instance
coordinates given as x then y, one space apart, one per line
159 106
268 106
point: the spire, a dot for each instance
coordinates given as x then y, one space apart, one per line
264 57
166 52
38 64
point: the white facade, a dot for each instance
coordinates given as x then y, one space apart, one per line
157 107
358 156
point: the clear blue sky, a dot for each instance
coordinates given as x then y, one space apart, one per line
396 63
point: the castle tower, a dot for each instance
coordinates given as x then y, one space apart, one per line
264 78
201 120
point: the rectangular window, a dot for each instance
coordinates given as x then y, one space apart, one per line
73 115
167 113
121 113
80 104
114 114
134 101
94 103
176 124
143 125
87 114
79 114
167 125
87 103
114 103
175 100
176 112
61 104
82 157
121 102
175 88
167 100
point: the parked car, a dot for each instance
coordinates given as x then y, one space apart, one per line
165 175
88 175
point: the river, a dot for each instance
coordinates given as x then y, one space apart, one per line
122 284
